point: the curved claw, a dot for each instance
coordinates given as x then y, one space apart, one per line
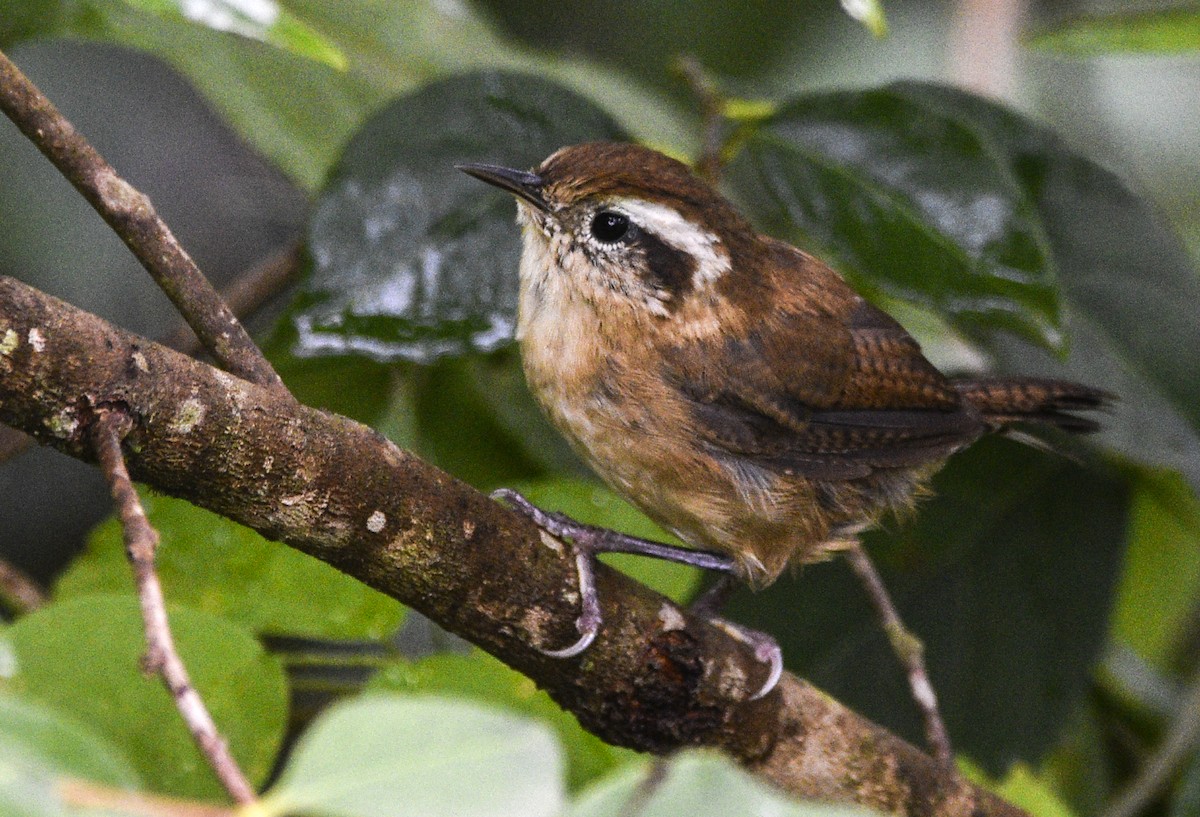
771 655
588 623
575 649
766 651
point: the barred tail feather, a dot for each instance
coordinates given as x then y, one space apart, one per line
1008 401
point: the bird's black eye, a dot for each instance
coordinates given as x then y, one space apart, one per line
609 227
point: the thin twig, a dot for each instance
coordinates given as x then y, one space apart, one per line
245 294
1163 764
141 541
712 120
647 787
132 217
908 649
88 795
20 593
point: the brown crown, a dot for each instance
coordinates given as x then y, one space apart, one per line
603 169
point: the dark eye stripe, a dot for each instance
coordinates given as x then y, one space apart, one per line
667 268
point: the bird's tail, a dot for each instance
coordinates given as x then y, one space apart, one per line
1013 401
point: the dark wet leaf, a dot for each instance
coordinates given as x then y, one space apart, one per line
1008 576
1129 290
909 198
414 260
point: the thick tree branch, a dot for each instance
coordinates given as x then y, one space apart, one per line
132 217
244 295
655 679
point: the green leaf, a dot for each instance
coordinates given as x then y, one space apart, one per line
910 198
414 260
1008 577
477 441
1162 31
83 658
38 747
262 20
1159 585
1127 287
481 677
1023 787
215 565
1185 802
390 756
594 504
1088 767
698 784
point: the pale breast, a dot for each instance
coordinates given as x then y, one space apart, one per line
600 383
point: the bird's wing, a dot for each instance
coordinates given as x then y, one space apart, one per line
829 393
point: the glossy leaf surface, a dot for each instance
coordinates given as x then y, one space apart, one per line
413 259
908 198
1129 290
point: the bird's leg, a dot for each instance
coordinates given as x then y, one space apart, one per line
908 649
589 540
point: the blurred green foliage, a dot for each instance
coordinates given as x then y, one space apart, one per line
1157 31
1028 572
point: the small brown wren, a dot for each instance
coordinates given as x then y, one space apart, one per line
731 386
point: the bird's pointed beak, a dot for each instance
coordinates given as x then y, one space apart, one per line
520 183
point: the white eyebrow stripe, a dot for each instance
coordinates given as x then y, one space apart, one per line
712 260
